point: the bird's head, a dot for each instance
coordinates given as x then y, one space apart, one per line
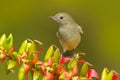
62 18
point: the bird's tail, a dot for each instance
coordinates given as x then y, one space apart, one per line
68 53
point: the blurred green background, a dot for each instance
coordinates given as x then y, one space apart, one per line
100 20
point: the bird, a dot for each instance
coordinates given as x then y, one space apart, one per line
69 32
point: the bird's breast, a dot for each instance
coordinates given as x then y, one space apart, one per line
68 33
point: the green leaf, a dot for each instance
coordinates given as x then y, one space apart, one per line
54 66
83 78
36 75
28 46
23 47
11 64
32 47
84 70
21 73
44 78
72 64
56 56
2 39
31 50
110 75
104 74
15 55
8 43
62 76
49 53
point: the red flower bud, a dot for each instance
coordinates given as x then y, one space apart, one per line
39 50
92 73
115 77
11 51
75 70
35 59
2 57
50 61
26 68
82 61
49 76
64 60
59 69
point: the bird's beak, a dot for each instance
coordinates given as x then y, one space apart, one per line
52 17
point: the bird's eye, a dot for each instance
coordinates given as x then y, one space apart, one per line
61 17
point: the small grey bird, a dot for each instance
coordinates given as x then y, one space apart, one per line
69 32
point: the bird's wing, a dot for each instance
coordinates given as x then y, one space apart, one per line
57 34
80 28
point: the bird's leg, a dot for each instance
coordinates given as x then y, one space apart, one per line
68 53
